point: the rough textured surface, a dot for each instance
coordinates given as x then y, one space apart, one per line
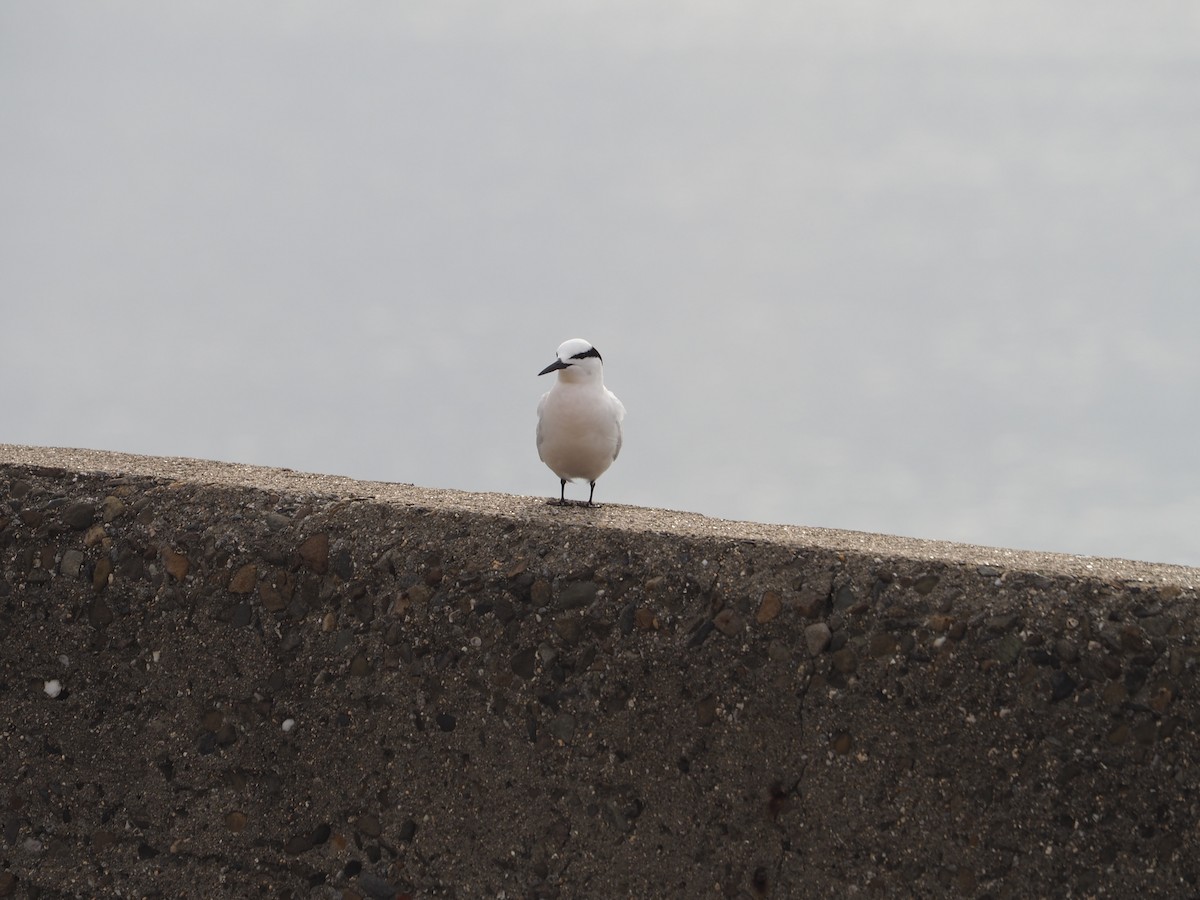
220 680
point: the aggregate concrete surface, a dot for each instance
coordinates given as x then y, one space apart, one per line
228 681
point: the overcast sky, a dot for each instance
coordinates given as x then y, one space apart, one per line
925 268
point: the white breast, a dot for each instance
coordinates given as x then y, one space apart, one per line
579 430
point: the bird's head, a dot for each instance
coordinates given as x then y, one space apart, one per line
577 360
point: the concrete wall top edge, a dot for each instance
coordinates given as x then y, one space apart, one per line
610 516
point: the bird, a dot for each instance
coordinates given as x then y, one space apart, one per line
579 419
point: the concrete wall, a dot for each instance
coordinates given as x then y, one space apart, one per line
225 681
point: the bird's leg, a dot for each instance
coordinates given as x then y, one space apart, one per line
562 492
590 493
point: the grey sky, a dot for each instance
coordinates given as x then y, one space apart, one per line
925 268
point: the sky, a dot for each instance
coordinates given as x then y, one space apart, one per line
926 269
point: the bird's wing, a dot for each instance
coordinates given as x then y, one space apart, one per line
619 408
541 406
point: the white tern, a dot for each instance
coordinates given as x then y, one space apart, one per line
579 419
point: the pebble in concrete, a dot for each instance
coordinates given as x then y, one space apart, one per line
817 637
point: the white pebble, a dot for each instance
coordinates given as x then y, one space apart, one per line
53 688
288 724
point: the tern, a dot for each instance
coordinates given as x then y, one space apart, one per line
579 419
